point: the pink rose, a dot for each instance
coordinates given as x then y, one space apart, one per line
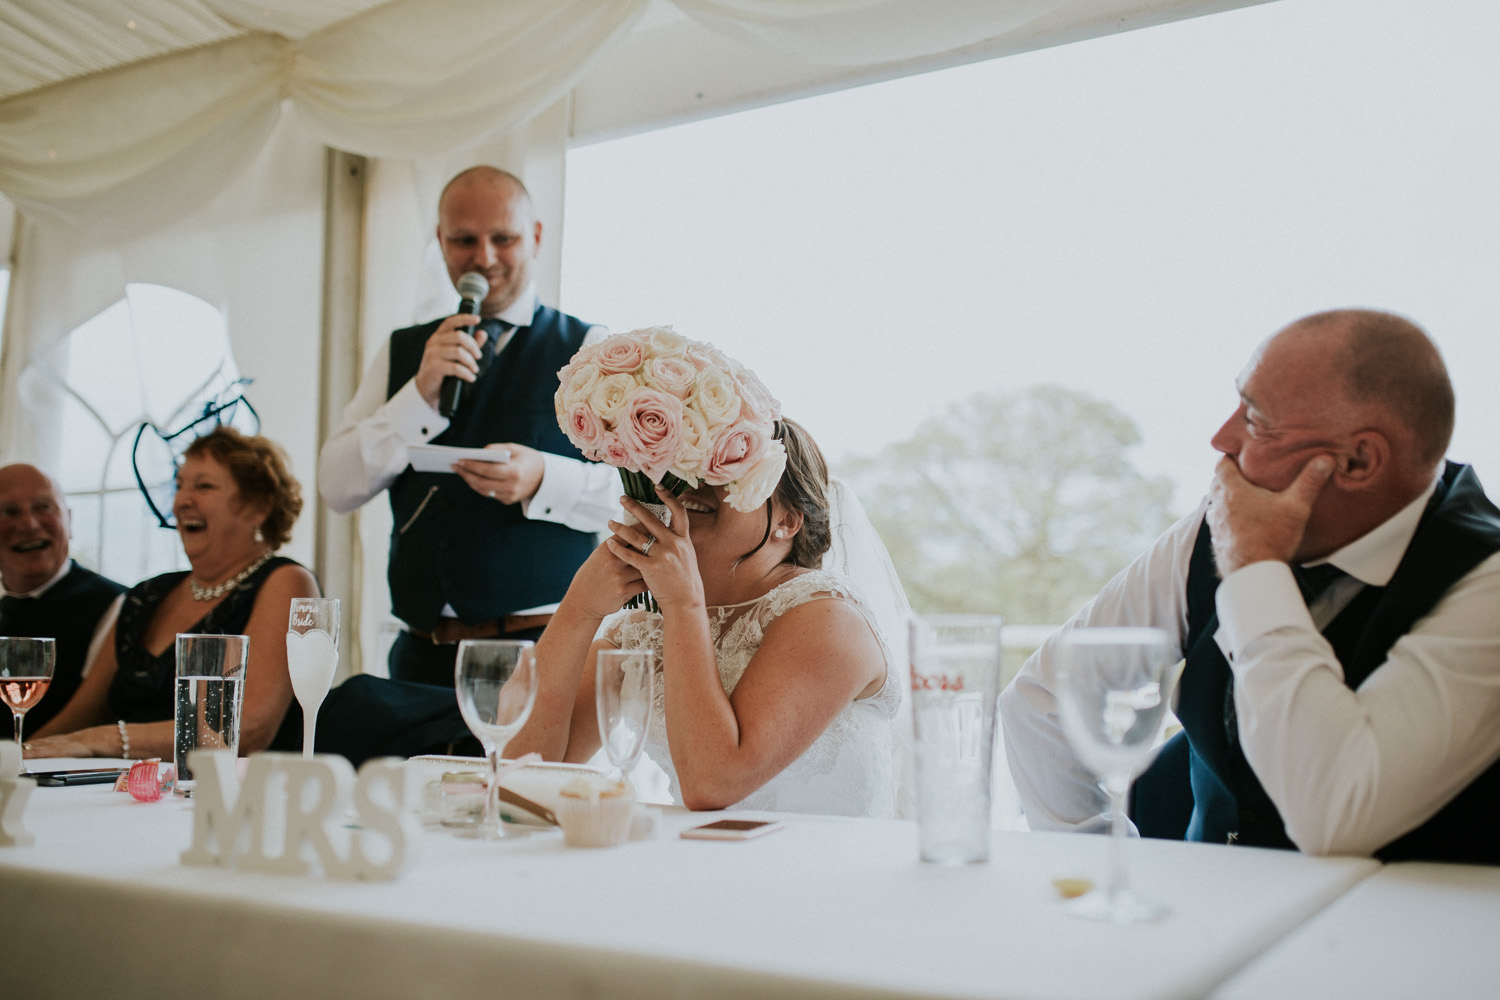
612 452
673 375
735 451
650 428
585 430
624 352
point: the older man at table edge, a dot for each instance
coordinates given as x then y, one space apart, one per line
1362 718
468 553
47 594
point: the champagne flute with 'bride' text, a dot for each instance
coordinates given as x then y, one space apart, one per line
312 656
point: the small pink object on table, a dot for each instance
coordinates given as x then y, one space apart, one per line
147 781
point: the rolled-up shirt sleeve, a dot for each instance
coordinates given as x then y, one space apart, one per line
1352 770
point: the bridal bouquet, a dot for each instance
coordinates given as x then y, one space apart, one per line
665 409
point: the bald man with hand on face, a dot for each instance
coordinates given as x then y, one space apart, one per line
1335 599
43 592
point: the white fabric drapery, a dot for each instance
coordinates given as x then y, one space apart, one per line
193 86
120 150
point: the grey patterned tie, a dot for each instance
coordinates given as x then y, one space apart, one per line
1313 580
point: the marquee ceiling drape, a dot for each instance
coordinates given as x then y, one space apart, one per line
115 112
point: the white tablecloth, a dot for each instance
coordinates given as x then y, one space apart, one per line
1410 930
827 907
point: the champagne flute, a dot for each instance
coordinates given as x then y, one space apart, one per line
312 656
1113 690
625 695
25 674
496 681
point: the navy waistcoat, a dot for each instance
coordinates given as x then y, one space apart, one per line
450 545
69 612
1221 795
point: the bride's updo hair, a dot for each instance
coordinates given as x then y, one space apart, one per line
803 488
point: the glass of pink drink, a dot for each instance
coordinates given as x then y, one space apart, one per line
25 674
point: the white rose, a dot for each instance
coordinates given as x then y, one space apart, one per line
693 452
756 486
664 342
580 383
716 396
609 394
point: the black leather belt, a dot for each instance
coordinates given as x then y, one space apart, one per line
450 630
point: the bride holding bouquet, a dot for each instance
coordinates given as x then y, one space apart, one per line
778 680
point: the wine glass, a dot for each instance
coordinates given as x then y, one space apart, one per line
624 694
25 674
312 656
496 681
1112 695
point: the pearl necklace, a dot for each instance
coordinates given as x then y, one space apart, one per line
202 593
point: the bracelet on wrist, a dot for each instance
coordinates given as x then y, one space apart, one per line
124 739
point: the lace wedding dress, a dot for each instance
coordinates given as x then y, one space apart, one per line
848 770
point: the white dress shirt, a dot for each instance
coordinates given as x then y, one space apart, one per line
368 450
106 620
1349 770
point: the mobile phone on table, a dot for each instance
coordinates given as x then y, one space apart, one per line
733 829
78 776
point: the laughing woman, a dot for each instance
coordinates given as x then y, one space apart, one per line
777 684
235 505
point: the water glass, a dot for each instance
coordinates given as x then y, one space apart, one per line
210 694
312 656
624 695
25 674
955 685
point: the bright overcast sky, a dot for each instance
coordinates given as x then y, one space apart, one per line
1127 216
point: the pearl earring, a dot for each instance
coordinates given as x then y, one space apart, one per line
780 533
258 536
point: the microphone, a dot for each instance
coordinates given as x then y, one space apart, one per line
472 288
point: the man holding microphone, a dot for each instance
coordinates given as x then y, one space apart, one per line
472 547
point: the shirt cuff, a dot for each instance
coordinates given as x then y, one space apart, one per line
562 482
411 418
1256 600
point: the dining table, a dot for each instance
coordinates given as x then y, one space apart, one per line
100 905
1411 929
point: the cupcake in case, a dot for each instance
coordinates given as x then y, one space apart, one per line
595 812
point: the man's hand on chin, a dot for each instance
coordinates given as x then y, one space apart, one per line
1250 524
